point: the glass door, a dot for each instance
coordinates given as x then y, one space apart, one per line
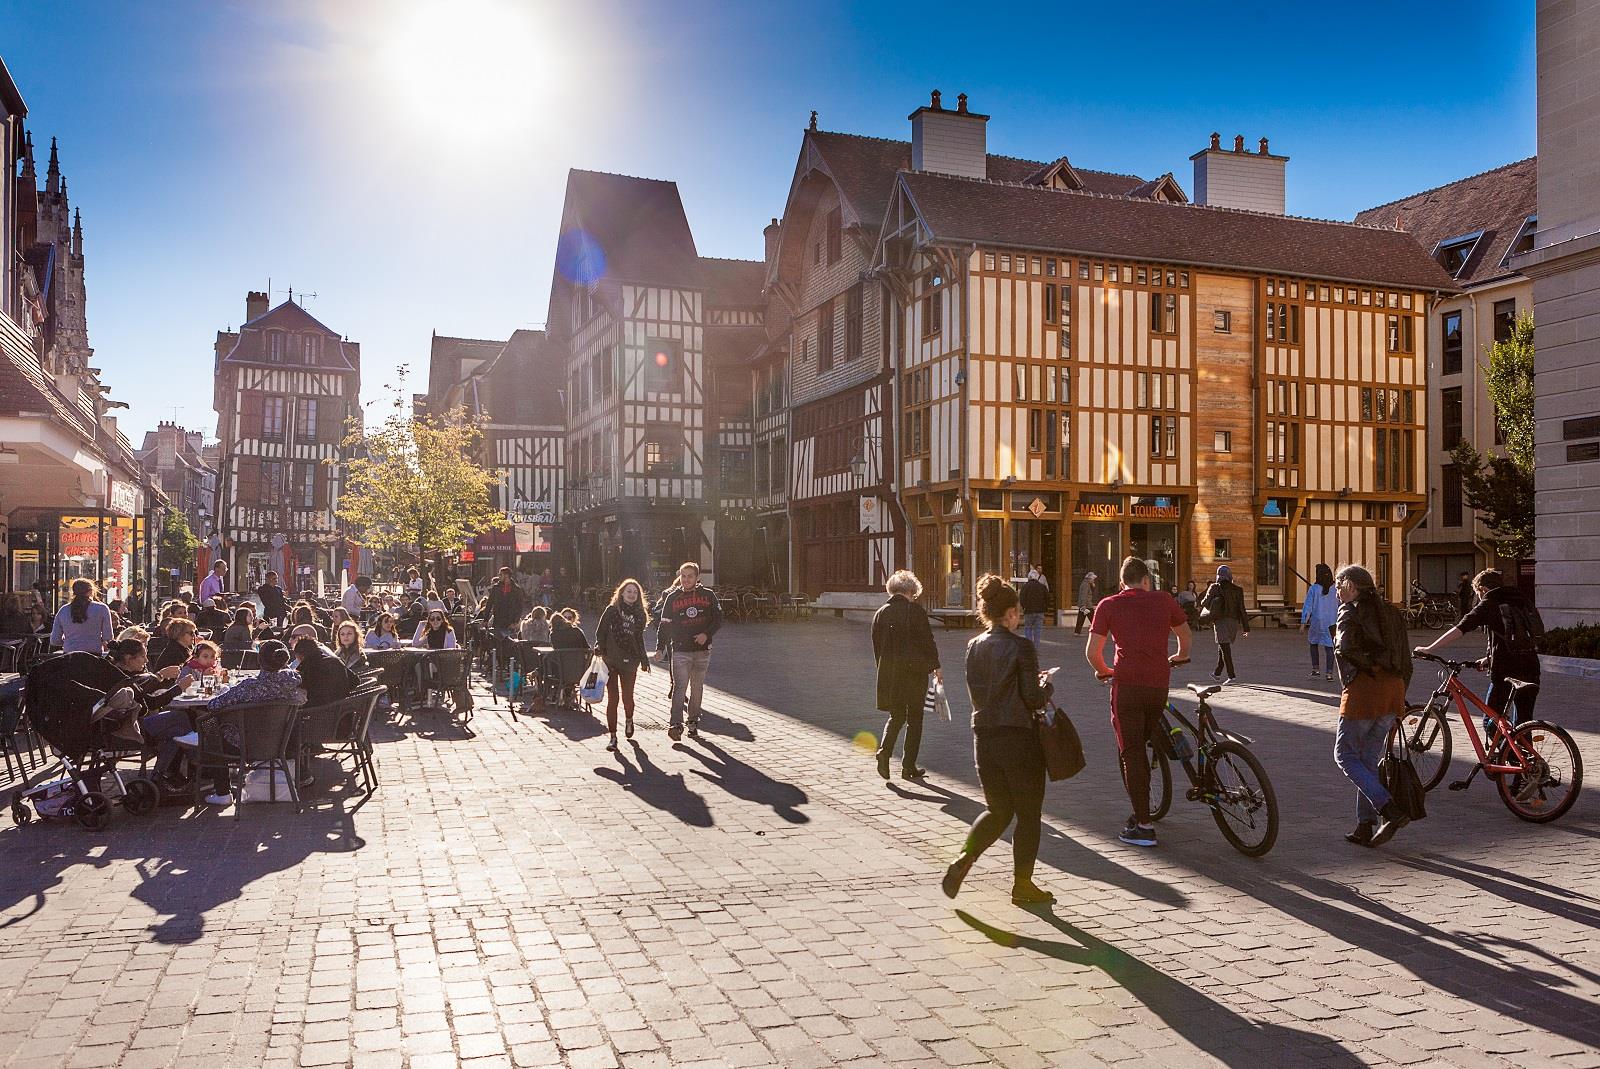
1097 548
1269 564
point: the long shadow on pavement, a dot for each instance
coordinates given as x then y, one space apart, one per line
744 781
669 793
1214 1028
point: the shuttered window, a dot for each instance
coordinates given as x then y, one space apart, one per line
247 485
852 322
835 225
825 338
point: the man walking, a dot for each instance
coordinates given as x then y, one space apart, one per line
693 616
503 606
1137 620
1088 597
215 583
1464 593
1035 603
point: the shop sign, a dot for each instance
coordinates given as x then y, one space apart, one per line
1157 508
126 500
1400 512
869 513
1036 506
467 556
531 510
1099 507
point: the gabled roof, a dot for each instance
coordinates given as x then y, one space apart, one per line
997 213
1495 202
250 343
521 384
638 223
447 358
733 283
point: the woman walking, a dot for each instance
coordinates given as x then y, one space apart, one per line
1372 697
1005 686
1318 617
619 641
83 624
1224 600
902 643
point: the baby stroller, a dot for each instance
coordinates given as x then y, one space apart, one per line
86 711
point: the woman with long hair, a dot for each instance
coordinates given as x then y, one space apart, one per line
1006 688
383 635
83 625
1318 616
619 640
347 645
435 633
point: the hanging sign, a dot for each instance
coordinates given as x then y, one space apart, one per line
1036 506
869 513
531 510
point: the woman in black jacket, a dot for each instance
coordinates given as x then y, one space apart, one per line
1224 601
619 641
1006 688
902 643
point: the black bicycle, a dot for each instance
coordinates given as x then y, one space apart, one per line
1223 775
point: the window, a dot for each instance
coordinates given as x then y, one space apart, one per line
305 488
275 346
1163 313
835 426
825 337
915 402
272 418
1223 443
663 450
305 427
663 365
1401 334
933 302
1036 438
1366 404
1505 319
1050 301
1523 242
1453 254
1066 321
1222 321
1451 503
835 225
272 482
1282 321
735 471
1222 549
1450 354
1451 416
312 348
852 323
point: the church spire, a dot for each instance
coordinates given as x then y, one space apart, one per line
52 179
77 233
27 162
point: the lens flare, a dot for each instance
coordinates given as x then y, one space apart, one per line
866 740
580 258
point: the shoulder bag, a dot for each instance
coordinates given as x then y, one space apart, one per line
1063 750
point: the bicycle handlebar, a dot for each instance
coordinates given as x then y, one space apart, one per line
1454 666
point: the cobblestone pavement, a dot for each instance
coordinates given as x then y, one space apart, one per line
522 897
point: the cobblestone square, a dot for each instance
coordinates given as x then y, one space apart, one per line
515 895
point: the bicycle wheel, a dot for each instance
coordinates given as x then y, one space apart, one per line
1160 782
1555 777
1426 732
1436 620
1241 799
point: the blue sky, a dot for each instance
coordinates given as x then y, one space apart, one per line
404 160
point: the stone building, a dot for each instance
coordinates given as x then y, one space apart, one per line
184 466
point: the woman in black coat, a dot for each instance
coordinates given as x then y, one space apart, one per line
902 642
619 640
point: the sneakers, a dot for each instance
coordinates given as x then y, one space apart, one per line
191 740
1134 835
694 729
1393 821
219 799
1029 893
1217 676
1329 675
1362 836
955 874
1315 673
675 732
1230 681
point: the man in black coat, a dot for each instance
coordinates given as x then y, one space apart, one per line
504 606
902 643
326 678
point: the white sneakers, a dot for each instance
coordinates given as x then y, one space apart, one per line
219 799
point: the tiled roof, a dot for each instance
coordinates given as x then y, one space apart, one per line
1496 202
964 209
445 356
733 283
638 224
249 346
726 346
521 383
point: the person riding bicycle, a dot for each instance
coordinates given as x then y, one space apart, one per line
1514 628
1137 619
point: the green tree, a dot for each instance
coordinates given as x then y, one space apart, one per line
1499 486
415 484
177 546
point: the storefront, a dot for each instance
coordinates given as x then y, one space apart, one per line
49 550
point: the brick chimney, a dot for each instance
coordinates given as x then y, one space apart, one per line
1239 179
255 304
949 142
771 233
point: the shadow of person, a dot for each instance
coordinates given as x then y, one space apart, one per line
744 781
717 724
1214 1028
1055 849
669 793
576 726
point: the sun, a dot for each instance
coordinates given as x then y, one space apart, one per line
471 68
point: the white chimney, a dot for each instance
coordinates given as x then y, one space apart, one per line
1239 179
949 142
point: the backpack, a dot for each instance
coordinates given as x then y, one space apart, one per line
1522 629
1396 654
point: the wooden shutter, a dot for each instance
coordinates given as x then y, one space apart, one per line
250 414
247 486
330 420
320 474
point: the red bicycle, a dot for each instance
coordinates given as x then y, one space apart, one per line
1535 764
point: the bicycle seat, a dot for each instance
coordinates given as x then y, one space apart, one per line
1518 684
1205 690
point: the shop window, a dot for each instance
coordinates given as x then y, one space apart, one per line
1222 549
1223 443
1222 321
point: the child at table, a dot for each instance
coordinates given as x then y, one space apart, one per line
202 662
535 627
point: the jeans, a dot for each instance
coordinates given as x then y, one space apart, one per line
1357 749
688 681
1315 657
909 716
1134 713
1011 770
1224 660
1085 615
1499 697
1033 628
162 728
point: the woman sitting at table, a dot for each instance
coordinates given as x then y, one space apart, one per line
83 624
275 684
383 635
347 646
535 627
565 632
306 615
179 645
435 633
240 635
14 621
326 678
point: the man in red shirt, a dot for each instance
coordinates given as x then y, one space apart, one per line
1138 620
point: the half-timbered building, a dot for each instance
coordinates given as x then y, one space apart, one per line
286 388
1083 377
848 527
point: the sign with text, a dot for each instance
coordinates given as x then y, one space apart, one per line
531 510
869 514
1098 507
1157 508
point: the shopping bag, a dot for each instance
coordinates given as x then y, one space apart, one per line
1399 777
1063 750
934 703
594 682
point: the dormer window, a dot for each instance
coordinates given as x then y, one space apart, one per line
275 346
1523 242
1453 254
308 354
